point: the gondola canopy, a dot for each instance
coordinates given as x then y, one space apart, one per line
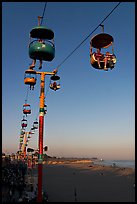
102 40
42 32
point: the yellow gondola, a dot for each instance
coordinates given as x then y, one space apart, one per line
30 78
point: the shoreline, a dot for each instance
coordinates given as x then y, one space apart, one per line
84 181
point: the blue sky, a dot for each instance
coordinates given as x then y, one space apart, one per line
93 114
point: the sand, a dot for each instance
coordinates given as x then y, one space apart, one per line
83 181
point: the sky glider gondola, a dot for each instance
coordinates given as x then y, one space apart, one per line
99 60
22 132
42 47
21 140
27 140
30 78
29 136
31 133
53 82
24 123
26 109
42 50
21 136
32 130
35 124
20 145
45 148
45 109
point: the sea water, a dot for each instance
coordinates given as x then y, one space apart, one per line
118 163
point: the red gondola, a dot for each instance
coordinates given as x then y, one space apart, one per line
24 123
26 109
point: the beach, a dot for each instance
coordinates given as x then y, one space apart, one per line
84 181
70 180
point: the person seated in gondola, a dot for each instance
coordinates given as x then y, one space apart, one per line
107 59
34 60
54 85
99 56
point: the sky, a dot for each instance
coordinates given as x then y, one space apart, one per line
93 113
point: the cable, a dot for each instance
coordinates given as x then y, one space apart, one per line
87 36
27 94
43 13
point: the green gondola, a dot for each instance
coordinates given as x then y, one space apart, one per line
42 50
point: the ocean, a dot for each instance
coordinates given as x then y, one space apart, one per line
119 163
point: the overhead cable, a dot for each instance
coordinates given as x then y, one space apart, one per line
43 13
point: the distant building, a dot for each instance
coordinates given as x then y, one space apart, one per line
94 158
